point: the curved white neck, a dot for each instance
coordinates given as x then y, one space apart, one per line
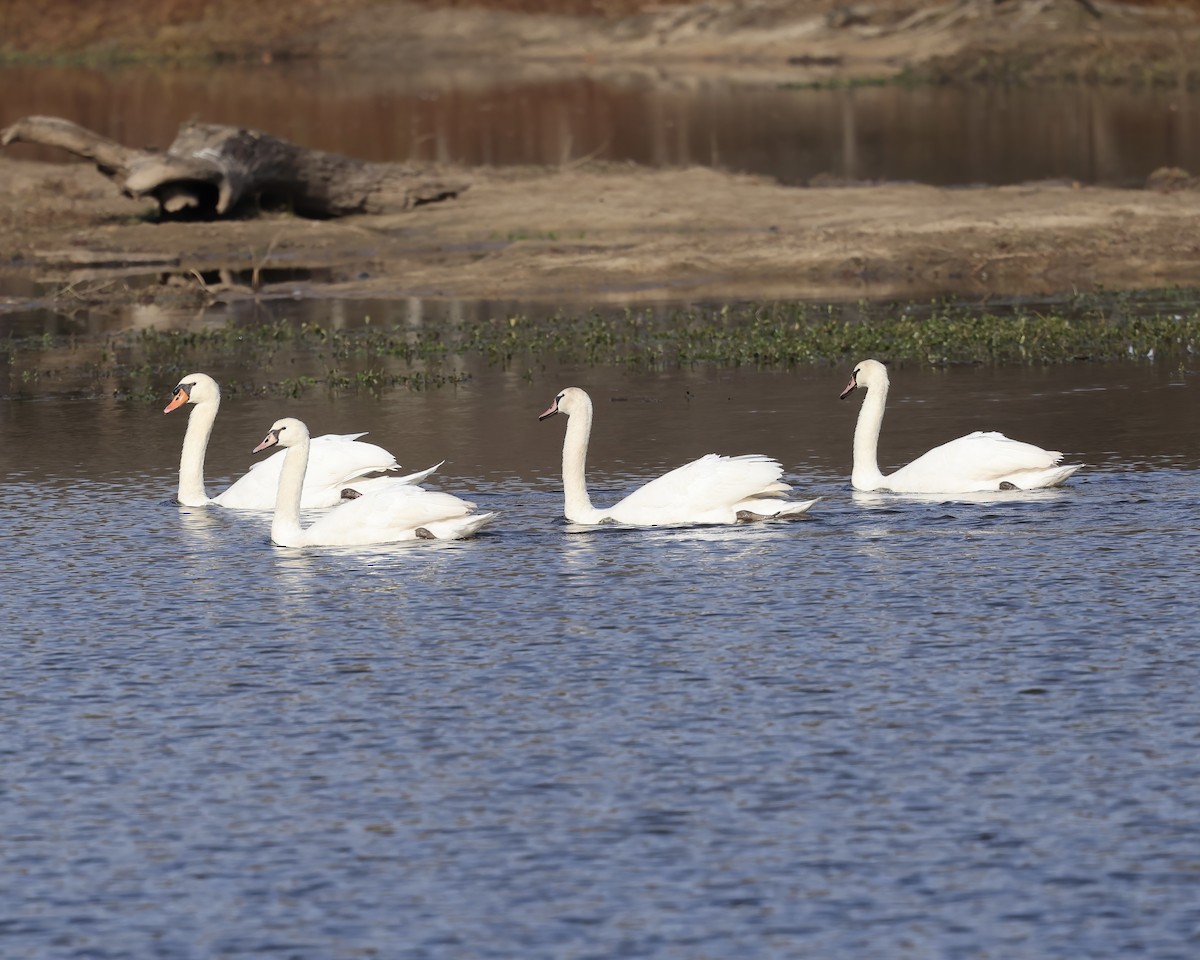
191 460
285 524
577 505
866 474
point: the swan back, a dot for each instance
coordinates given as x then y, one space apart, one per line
391 514
706 490
981 462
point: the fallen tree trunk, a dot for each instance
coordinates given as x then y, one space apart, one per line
216 171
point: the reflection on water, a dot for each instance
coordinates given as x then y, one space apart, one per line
937 135
918 729
875 498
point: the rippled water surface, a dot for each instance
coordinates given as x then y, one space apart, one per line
902 728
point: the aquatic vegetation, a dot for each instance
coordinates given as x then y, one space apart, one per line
789 334
285 357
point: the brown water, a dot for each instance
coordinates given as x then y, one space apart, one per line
936 135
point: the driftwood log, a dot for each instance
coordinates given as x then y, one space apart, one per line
214 171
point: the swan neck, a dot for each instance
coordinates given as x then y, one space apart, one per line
866 474
195 445
285 524
577 504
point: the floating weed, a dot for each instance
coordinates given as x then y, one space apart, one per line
296 386
375 357
768 335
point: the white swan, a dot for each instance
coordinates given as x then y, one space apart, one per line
337 461
388 514
975 463
712 489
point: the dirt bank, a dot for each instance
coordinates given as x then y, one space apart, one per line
612 233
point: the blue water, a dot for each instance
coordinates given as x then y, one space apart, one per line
901 728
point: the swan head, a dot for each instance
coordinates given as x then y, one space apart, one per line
867 374
569 401
194 388
284 433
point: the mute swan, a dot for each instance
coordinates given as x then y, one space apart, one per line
337 461
712 489
975 463
385 515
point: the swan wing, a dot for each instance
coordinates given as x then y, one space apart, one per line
334 462
386 515
362 485
706 490
977 462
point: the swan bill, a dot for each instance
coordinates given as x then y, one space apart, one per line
178 398
850 387
269 440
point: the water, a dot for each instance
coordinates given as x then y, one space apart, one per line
937 135
902 728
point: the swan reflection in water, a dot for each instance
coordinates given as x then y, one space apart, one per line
679 532
884 498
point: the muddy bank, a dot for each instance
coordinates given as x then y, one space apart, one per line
604 234
613 233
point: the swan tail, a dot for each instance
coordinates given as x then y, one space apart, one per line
414 478
357 486
1042 479
749 511
456 528
796 509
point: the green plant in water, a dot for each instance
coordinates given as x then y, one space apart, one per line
1148 324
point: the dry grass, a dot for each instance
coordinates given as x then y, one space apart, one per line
161 27
179 27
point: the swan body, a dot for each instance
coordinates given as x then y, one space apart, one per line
387 514
337 461
712 489
977 463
